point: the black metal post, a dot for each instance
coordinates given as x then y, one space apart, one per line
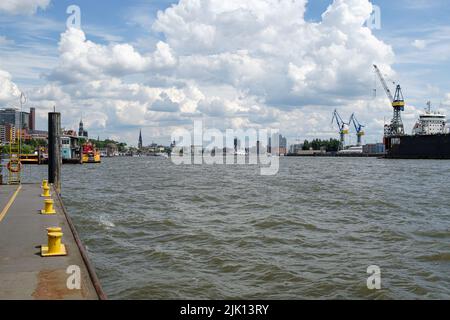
54 150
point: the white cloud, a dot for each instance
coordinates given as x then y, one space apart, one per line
165 104
49 93
267 48
27 7
249 63
419 44
8 89
5 41
82 60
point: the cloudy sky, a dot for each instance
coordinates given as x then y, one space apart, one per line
160 64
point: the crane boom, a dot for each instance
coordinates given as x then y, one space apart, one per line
398 103
359 129
336 118
383 82
339 121
343 127
358 126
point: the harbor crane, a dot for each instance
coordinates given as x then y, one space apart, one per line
359 129
398 103
343 127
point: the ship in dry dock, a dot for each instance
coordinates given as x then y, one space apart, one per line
430 139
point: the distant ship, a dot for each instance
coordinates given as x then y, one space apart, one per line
352 150
430 139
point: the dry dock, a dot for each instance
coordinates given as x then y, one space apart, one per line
24 274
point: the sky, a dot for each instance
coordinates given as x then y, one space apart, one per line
157 65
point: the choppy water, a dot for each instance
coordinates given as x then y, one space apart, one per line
159 231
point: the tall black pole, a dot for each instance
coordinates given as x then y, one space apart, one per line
54 150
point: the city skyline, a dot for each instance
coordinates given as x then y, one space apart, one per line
137 68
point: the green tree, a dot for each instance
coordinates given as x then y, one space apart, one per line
331 145
306 145
27 149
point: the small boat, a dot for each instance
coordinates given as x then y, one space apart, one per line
90 154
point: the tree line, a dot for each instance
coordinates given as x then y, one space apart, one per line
331 145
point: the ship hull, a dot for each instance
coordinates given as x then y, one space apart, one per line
91 158
418 147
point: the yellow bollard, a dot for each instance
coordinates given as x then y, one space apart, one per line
48 207
44 184
46 193
54 247
54 229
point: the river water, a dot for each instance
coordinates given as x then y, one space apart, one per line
155 230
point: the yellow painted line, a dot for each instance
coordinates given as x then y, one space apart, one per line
9 204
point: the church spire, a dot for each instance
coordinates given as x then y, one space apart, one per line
81 128
140 140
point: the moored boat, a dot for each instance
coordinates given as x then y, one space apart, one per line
430 139
90 154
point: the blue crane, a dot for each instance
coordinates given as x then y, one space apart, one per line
359 129
343 127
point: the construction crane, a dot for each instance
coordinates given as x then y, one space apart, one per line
359 129
343 128
398 103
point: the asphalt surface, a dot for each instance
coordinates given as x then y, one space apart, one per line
24 274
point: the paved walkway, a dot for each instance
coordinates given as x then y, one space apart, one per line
24 274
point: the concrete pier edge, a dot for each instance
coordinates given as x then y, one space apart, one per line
24 273
92 274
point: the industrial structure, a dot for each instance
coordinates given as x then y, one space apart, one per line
14 165
396 127
343 128
359 129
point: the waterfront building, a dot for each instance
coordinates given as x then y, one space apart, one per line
32 119
70 147
8 133
81 132
296 148
277 145
39 135
12 116
377 148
